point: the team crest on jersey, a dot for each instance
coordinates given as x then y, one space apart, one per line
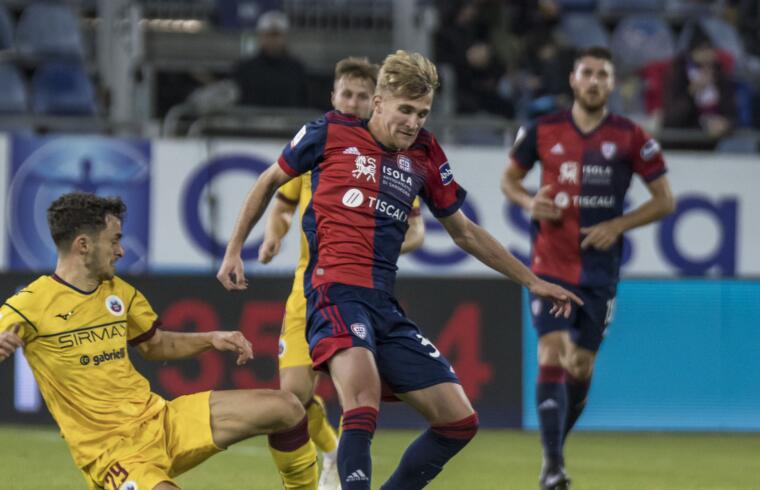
360 330
365 166
282 348
608 149
568 173
404 163
300 134
115 305
128 485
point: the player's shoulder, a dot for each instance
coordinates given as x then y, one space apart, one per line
552 119
31 295
425 141
120 287
621 122
341 119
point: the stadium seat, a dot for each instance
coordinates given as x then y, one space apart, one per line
577 5
6 29
13 91
48 30
640 39
62 88
583 30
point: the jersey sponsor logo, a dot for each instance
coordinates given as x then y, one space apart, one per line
351 150
404 163
597 174
365 166
115 305
399 176
568 173
281 351
447 175
91 336
608 149
557 149
387 208
360 330
353 198
563 200
298 137
650 149
64 316
114 355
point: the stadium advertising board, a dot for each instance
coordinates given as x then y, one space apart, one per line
196 189
475 323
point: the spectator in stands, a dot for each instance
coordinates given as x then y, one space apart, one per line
272 77
699 92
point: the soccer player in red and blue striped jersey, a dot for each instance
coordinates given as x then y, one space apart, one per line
588 157
365 176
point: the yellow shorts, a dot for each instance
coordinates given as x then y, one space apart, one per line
175 440
294 350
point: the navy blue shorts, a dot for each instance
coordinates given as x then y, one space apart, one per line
341 316
587 324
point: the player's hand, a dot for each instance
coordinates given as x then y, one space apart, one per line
233 342
601 236
9 342
268 250
562 299
231 274
542 206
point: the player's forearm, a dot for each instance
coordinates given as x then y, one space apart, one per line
484 247
654 209
514 190
415 235
255 204
278 223
177 345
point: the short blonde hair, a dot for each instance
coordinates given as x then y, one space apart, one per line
408 75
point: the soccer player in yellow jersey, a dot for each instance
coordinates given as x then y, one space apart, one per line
355 80
74 327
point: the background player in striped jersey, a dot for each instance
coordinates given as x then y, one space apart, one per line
354 84
588 157
74 327
365 177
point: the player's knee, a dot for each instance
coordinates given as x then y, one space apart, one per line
290 410
462 430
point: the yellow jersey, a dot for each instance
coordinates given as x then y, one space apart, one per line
298 192
76 344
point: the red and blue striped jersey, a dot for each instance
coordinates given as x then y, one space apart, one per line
589 176
362 195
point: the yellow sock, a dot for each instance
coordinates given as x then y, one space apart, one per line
298 469
320 430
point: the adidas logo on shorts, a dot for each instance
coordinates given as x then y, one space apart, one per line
357 475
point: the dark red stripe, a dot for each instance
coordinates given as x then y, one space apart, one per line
362 418
147 335
328 347
291 439
551 374
331 318
339 319
462 429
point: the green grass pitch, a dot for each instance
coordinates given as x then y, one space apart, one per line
36 458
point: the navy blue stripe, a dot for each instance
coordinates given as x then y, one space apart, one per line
21 315
82 329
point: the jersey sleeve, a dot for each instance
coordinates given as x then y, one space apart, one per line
647 157
305 150
524 152
11 313
290 191
416 211
441 192
142 321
